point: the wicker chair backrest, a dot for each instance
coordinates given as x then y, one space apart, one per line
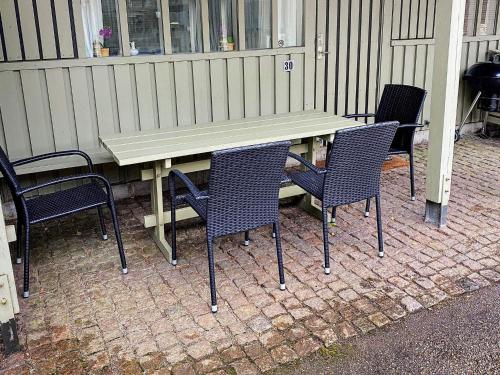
400 103
355 163
244 187
9 173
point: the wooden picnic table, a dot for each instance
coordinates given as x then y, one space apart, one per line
161 146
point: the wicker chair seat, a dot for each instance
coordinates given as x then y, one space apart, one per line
65 202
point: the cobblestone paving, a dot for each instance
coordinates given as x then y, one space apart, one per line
83 316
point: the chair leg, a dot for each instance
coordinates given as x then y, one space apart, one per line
174 233
101 222
274 230
412 176
26 284
211 270
19 240
247 238
279 253
367 208
325 241
379 227
334 215
118 237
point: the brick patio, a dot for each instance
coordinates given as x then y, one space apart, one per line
83 316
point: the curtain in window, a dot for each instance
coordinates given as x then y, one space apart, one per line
92 23
258 24
185 25
222 36
290 16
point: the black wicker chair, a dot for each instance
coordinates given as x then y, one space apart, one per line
351 175
93 194
243 194
404 104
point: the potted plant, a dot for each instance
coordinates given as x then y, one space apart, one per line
230 43
105 33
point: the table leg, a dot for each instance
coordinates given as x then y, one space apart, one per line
308 203
157 207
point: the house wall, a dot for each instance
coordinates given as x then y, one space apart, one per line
51 99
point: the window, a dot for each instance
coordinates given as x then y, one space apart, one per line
258 24
480 17
290 23
185 26
145 26
98 15
223 25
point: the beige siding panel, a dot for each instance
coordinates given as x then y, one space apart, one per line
37 111
46 29
420 65
10 31
202 91
103 92
267 89
145 96
422 9
363 58
236 95
80 36
414 19
252 86
343 52
398 64
320 63
85 121
409 65
430 19
373 77
282 85
396 17
184 93
2 136
461 91
64 28
14 116
297 84
30 39
165 88
386 49
428 82
309 59
61 108
219 85
332 57
127 101
405 19
353 57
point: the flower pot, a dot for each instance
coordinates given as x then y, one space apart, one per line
230 47
104 52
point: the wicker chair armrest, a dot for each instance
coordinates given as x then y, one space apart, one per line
409 126
56 155
187 182
362 115
307 163
89 176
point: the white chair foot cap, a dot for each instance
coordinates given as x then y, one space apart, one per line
104 237
327 271
174 262
381 254
413 198
367 213
274 235
26 294
333 221
247 243
18 260
125 271
282 287
214 308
